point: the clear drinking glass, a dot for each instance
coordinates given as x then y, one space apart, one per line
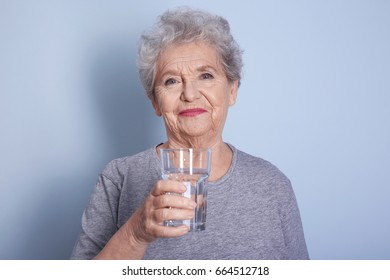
192 167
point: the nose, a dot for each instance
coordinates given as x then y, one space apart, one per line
190 91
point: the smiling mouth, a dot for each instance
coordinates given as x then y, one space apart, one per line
192 112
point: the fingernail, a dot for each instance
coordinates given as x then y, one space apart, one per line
185 229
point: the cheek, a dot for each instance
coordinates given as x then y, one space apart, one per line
167 104
218 115
165 101
219 99
167 108
219 112
219 102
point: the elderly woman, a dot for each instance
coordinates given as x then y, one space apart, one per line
190 66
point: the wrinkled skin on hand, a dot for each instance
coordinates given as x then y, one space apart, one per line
146 225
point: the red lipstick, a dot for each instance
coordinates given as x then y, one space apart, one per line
192 112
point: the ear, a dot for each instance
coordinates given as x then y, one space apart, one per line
155 106
233 93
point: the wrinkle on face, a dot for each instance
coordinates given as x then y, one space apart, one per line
182 82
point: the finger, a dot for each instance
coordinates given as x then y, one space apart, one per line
165 214
175 201
164 186
164 231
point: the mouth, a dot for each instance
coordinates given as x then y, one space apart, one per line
192 112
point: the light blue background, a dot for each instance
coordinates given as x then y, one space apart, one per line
314 100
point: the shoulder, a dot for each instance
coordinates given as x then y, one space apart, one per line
263 176
257 171
258 168
116 170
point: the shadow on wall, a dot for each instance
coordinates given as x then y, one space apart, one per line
126 124
52 218
128 119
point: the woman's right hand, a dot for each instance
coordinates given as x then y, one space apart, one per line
146 224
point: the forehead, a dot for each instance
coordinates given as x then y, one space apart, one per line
188 55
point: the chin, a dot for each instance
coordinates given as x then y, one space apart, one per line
197 132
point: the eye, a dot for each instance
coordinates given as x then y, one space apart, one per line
207 76
170 81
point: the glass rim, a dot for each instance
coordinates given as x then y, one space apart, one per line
185 149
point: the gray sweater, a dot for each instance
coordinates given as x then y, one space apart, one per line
251 212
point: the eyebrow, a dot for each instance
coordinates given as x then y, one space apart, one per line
198 69
205 68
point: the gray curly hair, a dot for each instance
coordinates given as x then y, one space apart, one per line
186 25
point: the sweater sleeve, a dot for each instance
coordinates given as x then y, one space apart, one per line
99 221
292 225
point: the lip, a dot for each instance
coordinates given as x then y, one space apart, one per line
192 112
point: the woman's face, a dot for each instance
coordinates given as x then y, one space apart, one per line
192 93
